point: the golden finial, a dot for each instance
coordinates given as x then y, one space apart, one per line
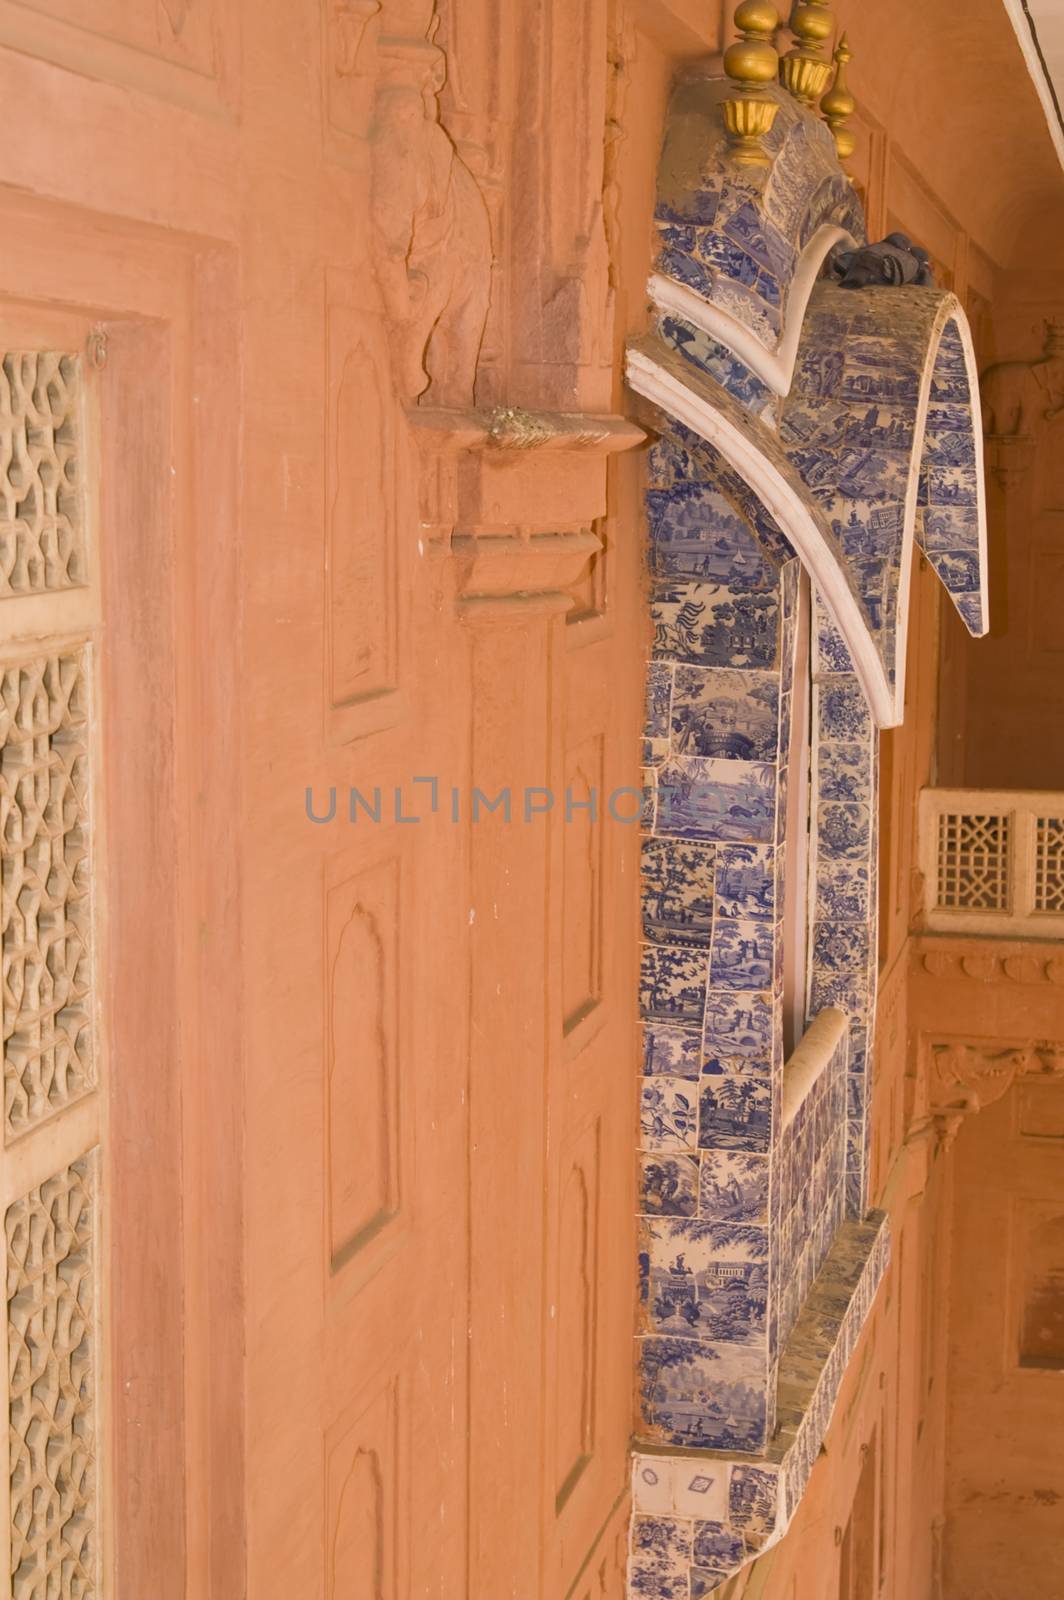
751 62
838 105
802 69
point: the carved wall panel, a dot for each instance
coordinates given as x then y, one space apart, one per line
348 60
1041 1285
52 1266
45 899
363 939
364 1500
42 542
583 844
360 491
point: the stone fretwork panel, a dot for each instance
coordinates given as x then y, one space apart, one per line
41 529
45 906
51 1298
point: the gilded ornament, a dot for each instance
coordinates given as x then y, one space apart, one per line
751 63
803 71
839 105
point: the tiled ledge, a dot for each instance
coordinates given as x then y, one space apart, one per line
701 1515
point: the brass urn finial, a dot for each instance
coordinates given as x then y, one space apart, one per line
751 63
839 105
803 70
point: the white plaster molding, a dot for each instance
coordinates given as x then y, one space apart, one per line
789 510
960 317
775 368
1024 26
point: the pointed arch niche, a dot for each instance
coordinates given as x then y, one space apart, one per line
804 433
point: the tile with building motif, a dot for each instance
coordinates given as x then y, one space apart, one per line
726 713
710 625
735 1112
674 1052
709 1279
739 1024
657 720
696 533
742 953
746 881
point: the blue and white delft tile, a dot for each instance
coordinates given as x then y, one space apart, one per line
953 486
700 1489
753 1501
970 607
725 801
848 991
656 726
832 654
713 626
742 955
739 1024
677 891
702 1397
672 984
746 881
843 889
652 1485
649 807
842 711
733 1187
844 771
735 1112
842 947
696 533
668 1185
843 831
949 528
660 1558
672 1052
704 1279
729 714
717 1549
668 1114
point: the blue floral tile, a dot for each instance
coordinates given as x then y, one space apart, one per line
742 954
842 709
735 1112
660 1558
717 1549
699 1397
671 1052
710 625
746 883
738 1024
705 798
668 1185
677 892
733 1187
843 831
844 771
672 984
843 889
668 1115
848 991
725 713
842 946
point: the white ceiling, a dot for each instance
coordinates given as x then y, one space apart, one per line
1039 26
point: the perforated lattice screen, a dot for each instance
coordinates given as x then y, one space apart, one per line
973 862
1049 865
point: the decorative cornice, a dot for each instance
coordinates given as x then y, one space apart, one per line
993 966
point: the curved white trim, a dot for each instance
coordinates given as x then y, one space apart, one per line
774 368
789 510
976 406
1024 27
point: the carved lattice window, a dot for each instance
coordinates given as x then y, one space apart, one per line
1049 865
973 862
41 533
44 847
51 1299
